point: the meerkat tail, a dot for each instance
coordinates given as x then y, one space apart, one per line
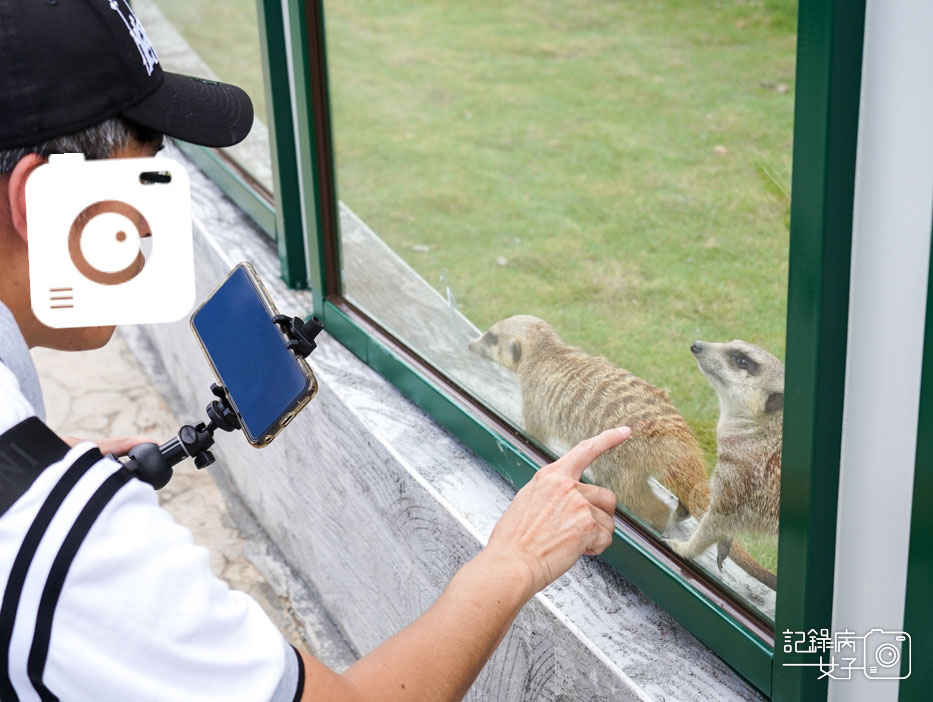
743 559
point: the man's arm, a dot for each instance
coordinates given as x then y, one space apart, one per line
552 521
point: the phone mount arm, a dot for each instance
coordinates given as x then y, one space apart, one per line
153 464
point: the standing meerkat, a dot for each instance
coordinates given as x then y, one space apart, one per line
746 485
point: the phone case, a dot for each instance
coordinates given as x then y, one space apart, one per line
302 364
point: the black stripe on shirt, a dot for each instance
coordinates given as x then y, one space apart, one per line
300 687
27 550
53 585
26 450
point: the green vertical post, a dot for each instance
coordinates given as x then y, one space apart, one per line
918 613
829 59
305 32
289 232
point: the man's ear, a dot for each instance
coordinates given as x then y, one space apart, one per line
16 190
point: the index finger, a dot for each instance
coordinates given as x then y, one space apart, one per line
576 460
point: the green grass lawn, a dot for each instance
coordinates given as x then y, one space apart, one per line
630 162
577 140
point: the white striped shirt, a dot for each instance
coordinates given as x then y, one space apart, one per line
131 611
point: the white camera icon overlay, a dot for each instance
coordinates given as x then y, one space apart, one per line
109 241
884 651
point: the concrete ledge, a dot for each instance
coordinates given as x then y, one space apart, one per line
374 507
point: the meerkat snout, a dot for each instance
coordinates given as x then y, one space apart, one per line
485 344
696 347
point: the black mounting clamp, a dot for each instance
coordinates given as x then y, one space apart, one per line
153 464
300 333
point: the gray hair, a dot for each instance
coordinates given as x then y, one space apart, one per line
100 141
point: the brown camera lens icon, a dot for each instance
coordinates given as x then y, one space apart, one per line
114 240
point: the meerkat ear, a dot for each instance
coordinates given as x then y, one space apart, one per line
515 347
775 402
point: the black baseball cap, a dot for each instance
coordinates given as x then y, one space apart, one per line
66 65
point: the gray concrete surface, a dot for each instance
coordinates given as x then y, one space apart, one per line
104 393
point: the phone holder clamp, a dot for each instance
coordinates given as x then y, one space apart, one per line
153 463
300 333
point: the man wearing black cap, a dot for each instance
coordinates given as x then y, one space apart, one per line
103 596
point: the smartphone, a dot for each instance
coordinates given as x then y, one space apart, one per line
266 383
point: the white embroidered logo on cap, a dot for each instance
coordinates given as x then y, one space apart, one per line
150 59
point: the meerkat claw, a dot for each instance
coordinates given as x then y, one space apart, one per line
722 551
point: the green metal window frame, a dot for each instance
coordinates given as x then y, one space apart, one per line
830 36
828 75
283 224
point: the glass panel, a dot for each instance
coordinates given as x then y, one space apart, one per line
219 40
618 171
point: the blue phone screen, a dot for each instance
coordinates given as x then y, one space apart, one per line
260 373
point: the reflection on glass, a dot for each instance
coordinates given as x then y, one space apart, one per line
219 40
618 171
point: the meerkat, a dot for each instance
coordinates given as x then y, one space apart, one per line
746 484
569 395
